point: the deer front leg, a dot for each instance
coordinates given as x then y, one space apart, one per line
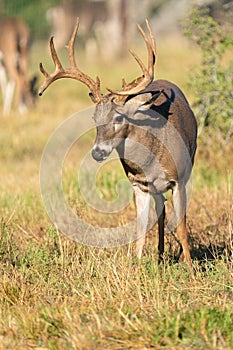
160 212
179 202
142 201
3 77
8 97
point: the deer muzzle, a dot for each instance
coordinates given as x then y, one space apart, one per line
101 152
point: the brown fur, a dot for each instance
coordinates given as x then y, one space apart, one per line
14 45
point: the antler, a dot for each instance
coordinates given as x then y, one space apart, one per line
72 72
147 77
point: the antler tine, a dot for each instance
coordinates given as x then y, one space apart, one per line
72 72
54 55
150 48
140 63
152 57
124 84
70 46
43 71
151 37
58 68
141 83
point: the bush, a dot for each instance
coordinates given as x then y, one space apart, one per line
211 82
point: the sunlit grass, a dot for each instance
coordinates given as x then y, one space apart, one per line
56 293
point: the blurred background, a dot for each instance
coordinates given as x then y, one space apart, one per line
101 19
108 28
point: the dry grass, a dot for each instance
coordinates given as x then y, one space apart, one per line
57 294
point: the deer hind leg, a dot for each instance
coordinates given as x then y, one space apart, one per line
142 201
21 93
179 202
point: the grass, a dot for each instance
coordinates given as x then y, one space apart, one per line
57 294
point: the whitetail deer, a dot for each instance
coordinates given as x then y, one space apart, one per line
100 20
152 127
62 19
14 43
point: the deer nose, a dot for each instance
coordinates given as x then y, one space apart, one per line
99 154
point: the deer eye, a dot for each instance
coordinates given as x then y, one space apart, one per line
119 119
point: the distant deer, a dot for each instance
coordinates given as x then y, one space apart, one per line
62 18
14 43
152 127
100 20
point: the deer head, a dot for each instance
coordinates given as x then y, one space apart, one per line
114 109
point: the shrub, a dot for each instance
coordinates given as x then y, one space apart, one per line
211 82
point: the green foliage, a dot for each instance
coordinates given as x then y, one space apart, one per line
33 12
211 82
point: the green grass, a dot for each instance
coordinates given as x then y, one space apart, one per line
57 294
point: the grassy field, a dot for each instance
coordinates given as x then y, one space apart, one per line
57 294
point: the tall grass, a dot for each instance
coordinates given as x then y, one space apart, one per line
56 294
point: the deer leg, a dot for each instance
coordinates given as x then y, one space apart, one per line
21 92
179 202
8 97
22 107
3 78
142 201
160 212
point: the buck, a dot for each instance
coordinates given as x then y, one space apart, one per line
152 127
14 42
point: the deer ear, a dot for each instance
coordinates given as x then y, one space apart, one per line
148 103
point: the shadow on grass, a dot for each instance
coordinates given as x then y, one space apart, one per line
211 244
210 252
